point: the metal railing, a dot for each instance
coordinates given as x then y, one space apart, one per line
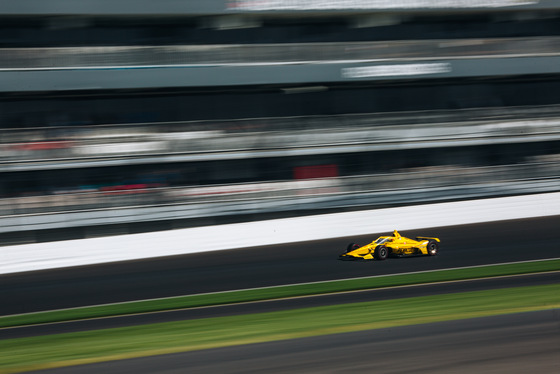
131 56
341 188
183 138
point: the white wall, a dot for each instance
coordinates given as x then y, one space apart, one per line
38 256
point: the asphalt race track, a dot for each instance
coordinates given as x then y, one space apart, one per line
283 304
513 344
516 343
466 245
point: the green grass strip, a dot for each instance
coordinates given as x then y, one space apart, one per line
270 293
24 354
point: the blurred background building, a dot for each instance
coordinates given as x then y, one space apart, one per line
130 116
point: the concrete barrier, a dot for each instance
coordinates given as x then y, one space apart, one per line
40 256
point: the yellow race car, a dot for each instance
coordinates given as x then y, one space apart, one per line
396 245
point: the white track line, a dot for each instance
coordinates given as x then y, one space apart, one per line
301 284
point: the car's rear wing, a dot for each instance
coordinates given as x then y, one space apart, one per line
427 238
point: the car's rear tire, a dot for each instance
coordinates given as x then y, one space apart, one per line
432 248
351 247
381 253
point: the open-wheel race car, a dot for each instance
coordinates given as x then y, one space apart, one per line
395 246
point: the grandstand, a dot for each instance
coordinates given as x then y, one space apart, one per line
120 116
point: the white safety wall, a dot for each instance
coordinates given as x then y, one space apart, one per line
40 256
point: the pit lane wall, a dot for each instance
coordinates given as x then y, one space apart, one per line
221 7
31 257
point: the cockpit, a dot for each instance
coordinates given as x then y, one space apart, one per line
383 240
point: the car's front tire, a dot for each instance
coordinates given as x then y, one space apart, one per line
432 248
351 247
381 253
